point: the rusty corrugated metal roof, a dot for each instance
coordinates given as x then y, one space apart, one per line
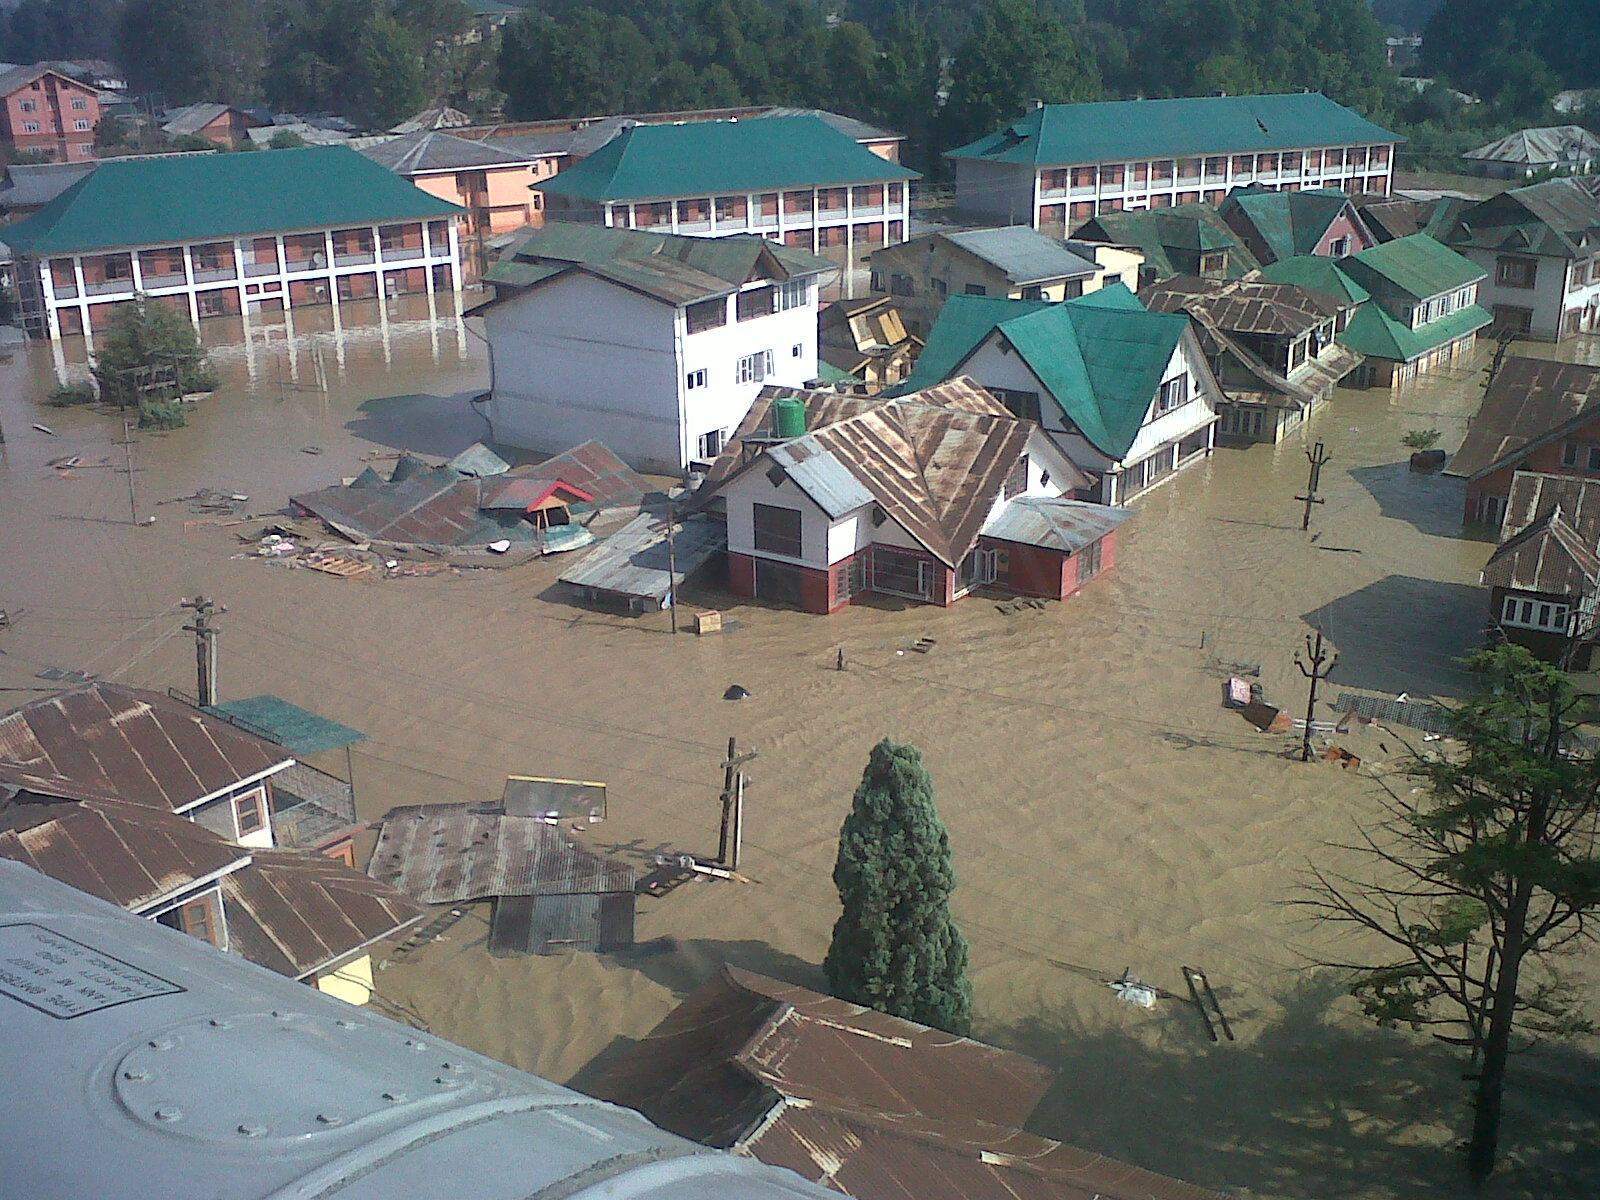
1530 402
138 745
441 853
865 1103
1549 536
297 913
1242 306
128 854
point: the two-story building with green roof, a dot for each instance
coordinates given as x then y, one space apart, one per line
1060 164
1282 224
795 180
230 234
1424 311
1126 393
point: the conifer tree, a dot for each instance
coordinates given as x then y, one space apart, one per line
895 947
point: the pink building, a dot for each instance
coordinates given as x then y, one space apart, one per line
47 113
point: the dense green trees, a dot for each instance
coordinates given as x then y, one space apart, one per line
1505 49
895 947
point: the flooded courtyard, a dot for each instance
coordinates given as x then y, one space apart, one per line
1106 812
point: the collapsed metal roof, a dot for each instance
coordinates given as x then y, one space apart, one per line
634 562
868 1104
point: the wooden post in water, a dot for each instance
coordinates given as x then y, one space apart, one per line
1318 457
1313 670
205 648
672 574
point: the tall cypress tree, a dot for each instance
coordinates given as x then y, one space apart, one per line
895 947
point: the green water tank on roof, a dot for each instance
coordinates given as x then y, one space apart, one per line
789 418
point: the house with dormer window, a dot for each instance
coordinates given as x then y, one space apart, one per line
655 344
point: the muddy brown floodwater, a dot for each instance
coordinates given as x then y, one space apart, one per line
1105 811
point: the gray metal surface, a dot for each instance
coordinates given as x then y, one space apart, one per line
196 1070
633 562
1569 145
820 475
432 150
1054 523
1528 403
522 925
1023 255
1430 718
1549 537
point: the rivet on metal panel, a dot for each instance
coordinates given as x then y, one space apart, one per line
342 1023
168 1112
396 1097
252 1129
136 1076
161 1043
449 1081
331 1117
419 1047
220 1023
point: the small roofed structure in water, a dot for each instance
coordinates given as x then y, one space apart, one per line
477 502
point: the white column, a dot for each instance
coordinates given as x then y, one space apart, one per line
241 274
48 295
188 283
455 261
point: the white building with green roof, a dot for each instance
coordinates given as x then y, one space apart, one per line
1060 164
791 179
230 234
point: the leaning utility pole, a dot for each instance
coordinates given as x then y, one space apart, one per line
1318 457
205 647
1313 669
732 836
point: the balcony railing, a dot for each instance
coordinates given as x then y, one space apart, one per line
108 287
213 274
694 226
401 253
266 268
66 291
150 280
354 260
310 807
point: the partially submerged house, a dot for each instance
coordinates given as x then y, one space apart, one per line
300 914
1539 249
1191 239
1271 346
1564 149
1424 312
928 496
867 343
1127 394
1015 261
1281 224
653 343
1537 415
869 1105
1544 576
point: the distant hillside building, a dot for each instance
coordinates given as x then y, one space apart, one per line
224 234
1060 164
46 112
1567 149
220 124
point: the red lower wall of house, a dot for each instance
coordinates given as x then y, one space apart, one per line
816 587
816 591
1032 571
741 574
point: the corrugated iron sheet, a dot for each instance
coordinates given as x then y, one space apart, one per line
138 745
1054 523
633 562
591 922
1550 534
1241 306
441 853
1527 402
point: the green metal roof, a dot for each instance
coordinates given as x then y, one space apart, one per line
1415 266
709 158
1289 222
1376 334
200 197
297 730
1320 274
1101 356
1158 231
1123 130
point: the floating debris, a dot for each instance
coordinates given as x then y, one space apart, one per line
736 693
45 429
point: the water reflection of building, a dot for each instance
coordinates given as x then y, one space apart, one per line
224 234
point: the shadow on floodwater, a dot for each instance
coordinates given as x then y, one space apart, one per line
1432 503
434 425
1403 634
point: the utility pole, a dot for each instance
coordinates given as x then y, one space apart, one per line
127 451
732 835
1318 457
1313 669
205 647
672 575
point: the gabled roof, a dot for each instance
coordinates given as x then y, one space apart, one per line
440 116
192 118
1022 253
162 201
1318 273
1191 228
1559 217
1241 306
22 75
1417 267
669 267
870 1105
1530 402
1056 135
859 131
1288 223
1054 522
431 150
707 158
1552 144
32 185
1549 536
1101 356
137 745
1373 332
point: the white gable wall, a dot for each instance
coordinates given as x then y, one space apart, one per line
752 488
1199 412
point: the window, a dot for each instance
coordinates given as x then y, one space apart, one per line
761 302
28 105
81 125
250 811
777 529
901 285
212 304
1034 292
86 148
119 268
1213 263
198 918
1020 404
1534 614
1581 456
80 103
710 444
1340 246
794 294
1515 272
1016 479
796 350
976 289
707 314
1174 394
940 287
753 368
1089 561
30 127
695 379
207 260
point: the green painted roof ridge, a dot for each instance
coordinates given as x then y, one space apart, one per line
1419 265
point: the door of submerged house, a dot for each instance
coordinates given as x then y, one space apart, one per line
977 569
778 583
897 574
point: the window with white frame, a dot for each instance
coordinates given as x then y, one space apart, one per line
753 368
80 103
710 444
28 105
250 811
1580 455
81 125
695 379
30 127
1340 246
1527 613
1174 394
794 294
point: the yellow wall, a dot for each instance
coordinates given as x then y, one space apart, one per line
351 983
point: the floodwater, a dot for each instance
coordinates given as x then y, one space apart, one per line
1105 811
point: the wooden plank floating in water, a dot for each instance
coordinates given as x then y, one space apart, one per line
1206 1001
